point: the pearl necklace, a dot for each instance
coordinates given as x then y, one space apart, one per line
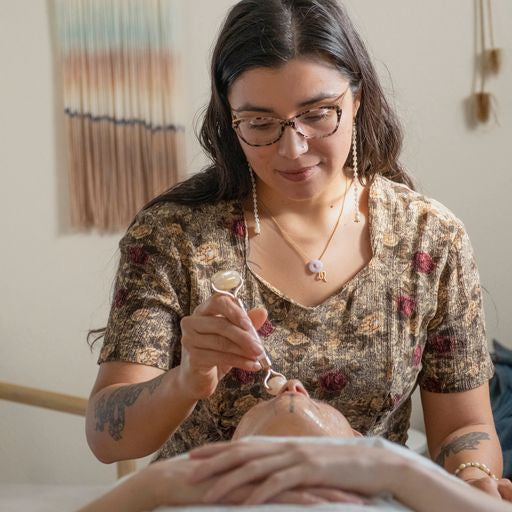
314 266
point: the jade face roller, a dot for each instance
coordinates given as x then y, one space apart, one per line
230 282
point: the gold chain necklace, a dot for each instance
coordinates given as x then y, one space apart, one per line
314 266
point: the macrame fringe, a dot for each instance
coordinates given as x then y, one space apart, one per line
115 169
119 66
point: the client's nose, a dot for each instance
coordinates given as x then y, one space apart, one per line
295 386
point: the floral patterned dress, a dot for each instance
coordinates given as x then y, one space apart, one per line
412 316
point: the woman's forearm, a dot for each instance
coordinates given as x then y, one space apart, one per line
474 443
132 421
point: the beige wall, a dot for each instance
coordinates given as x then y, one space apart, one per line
56 284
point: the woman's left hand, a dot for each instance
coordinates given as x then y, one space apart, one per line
501 488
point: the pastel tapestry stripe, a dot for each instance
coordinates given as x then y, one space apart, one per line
120 66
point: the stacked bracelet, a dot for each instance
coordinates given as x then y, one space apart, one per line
477 465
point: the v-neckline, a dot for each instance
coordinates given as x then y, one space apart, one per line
373 206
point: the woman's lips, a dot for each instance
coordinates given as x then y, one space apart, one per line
298 174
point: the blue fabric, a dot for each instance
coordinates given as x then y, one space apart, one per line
501 402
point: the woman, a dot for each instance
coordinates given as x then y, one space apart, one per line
369 287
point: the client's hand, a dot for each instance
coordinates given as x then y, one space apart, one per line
501 488
168 483
159 484
274 468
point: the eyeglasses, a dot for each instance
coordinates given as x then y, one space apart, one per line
315 123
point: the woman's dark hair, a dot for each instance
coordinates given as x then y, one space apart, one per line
269 33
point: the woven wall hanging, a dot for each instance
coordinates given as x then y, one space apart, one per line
120 63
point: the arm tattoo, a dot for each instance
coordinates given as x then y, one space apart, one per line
110 409
468 441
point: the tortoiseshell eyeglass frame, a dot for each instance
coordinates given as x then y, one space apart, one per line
289 122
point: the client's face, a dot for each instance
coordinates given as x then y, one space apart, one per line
293 413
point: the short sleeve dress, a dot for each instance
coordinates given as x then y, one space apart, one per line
412 316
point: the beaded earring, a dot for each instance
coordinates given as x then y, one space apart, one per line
257 228
356 176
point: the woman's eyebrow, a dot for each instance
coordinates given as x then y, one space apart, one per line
320 97
248 107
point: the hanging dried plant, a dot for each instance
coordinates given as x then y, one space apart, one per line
483 106
491 57
492 60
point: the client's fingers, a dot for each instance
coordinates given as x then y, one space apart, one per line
485 484
250 472
312 495
505 489
299 497
280 482
337 496
208 450
295 497
231 455
238 496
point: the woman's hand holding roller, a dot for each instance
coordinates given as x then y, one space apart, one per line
216 338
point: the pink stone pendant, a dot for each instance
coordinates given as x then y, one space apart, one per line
315 266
